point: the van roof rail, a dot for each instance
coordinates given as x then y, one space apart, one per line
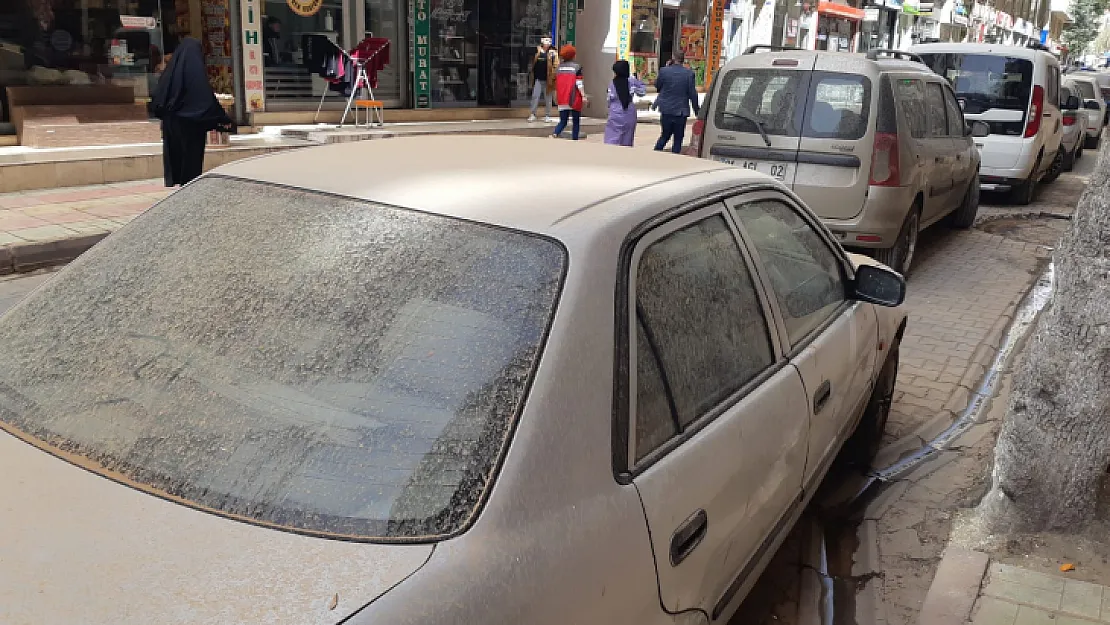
873 54
1036 45
770 48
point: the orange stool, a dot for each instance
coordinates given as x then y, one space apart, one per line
375 112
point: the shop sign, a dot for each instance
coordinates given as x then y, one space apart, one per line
624 32
136 22
716 37
421 55
894 4
254 89
305 8
568 18
910 7
870 15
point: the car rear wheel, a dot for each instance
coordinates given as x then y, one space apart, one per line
1057 167
964 216
1092 142
899 256
1069 159
865 441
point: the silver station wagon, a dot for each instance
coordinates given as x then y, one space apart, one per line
876 145
300 391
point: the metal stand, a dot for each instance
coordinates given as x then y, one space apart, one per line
362 79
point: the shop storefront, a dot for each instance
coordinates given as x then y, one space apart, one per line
880 25
954 22
660 27
90 55
838 26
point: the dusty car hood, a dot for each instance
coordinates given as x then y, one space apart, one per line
79 548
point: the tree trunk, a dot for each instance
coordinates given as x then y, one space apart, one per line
1054 447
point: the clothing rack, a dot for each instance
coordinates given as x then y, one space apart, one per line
365 52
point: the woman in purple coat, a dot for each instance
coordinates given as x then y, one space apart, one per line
621 127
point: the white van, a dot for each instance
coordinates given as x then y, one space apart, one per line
1016 91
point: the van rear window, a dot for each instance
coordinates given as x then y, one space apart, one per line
834 106
986 82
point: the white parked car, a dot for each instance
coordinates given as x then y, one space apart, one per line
1016 91
1085 85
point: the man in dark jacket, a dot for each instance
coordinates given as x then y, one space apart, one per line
677 93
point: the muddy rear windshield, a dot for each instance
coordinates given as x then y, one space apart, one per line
794 103
305 361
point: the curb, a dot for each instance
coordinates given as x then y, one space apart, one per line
955 588
26 257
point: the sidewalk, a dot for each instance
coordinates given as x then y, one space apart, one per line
1016 596
45 227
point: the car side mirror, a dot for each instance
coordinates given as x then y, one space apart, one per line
879 285
1091 105
1071 104
978 128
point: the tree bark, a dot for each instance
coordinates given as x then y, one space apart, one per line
1054 447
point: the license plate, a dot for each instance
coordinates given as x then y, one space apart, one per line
779 171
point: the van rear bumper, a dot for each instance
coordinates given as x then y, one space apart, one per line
880 221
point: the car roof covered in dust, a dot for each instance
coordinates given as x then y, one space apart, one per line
525 183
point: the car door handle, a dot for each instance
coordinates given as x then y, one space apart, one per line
821 397
688 536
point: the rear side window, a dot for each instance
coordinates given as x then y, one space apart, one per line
770 97
911 100
701 317
934 100
839 106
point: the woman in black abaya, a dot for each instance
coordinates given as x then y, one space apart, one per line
188 108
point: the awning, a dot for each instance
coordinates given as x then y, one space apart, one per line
840 10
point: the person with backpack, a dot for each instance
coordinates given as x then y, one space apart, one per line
570 94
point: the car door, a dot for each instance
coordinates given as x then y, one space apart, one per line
831 340
716 420
965 165
938 195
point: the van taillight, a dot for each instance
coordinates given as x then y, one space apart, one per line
1036 107
1069 119
884 161
695 141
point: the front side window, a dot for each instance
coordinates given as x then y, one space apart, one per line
703 321
328 365
805 273
934 100
956 124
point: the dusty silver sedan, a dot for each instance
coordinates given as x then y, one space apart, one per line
476 381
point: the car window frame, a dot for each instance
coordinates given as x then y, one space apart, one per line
626 467
900 99
847 271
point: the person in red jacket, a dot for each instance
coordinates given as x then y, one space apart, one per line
569 92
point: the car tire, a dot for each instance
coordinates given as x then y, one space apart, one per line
1056 168
899 256
964 216
1079 152
1069 159
1092 142
865 441
1022 194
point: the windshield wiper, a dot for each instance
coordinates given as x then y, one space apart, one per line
745 115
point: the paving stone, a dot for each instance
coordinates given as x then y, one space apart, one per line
991 611
1082 599
1033 616
903 543
1026 577
1019 593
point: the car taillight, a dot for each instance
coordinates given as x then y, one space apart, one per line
884 161
1069 119
1036 107
695 140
